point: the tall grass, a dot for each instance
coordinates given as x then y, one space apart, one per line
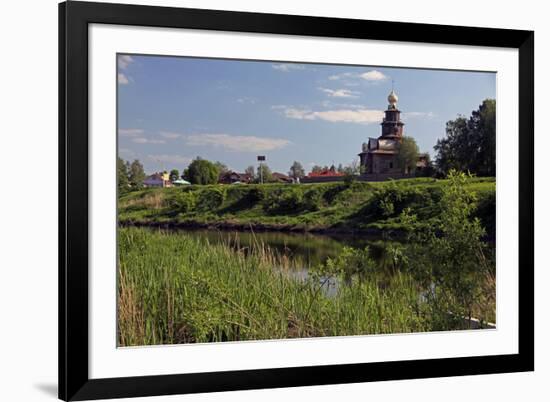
172 288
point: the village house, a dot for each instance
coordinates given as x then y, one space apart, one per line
324 175
281 178
158 180
327 172
231 177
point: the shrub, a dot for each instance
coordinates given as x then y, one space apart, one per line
349 179
210 199
256 194
280 201
485 211
312 199
450 256
391 200
183 202
348 263
331 194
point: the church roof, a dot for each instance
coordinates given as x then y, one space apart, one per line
393 98
383 151
387 144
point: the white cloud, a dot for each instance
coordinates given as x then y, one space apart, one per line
123 79
352 79
359 116
237 142
299 114
143 140
124 61
373 75
175 159
340 93
417 115
286 67
130 132
170 135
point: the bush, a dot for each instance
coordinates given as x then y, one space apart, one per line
312 199
283 201
210 199
348 263
450 256
183 202
331 194
391 200
256 194
485 211
349 179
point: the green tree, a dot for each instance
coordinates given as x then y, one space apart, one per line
250 171
122 175
296 170
222 168
174 174
316 169
407 155
201 171
449 256
470 144
483 123
136 174
352 169
264 174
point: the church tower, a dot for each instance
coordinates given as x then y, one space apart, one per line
379 155
392 126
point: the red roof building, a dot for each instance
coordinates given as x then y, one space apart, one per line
330 172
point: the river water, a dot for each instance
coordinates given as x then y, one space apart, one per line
302 251
306 249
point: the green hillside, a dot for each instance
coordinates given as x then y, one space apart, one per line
339 207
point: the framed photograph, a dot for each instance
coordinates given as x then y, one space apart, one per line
258 201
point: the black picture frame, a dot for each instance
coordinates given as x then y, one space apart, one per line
74 18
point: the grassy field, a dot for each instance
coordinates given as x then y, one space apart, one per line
356 206
171 291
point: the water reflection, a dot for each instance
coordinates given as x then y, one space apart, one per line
305 249
299 252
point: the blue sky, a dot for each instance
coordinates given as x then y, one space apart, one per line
172 109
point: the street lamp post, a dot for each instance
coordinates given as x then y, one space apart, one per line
261 158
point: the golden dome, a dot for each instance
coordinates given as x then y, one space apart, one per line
392 98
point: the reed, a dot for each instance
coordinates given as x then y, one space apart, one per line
174 288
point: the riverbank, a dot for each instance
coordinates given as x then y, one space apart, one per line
359 207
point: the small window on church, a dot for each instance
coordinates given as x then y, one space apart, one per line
391 165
